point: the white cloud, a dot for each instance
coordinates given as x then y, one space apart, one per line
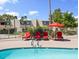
13 13
19 18
33 12
2 2
76 16
1 8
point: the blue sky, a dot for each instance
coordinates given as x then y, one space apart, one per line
36 9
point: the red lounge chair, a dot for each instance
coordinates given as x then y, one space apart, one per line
38 36
59 36
27 36
45 35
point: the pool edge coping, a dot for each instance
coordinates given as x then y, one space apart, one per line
38 47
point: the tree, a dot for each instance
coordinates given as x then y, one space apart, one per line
1 18
15 17
7 18
65 18
69 20
23 20
57 16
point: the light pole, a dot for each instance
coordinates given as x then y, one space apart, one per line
50 16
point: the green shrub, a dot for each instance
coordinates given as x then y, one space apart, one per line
39 29
24 29
49 32
30 29
5 31
45 27
70 33
12 31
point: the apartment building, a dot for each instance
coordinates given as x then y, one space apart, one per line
5 25
33 23
2 24
22 25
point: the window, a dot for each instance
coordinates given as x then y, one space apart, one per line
28 22
23 23
2 23
45 22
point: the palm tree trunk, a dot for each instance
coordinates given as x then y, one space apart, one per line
15 27
50 16
9 26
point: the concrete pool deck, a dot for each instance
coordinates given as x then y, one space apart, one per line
18 42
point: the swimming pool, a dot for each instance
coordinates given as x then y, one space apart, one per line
39 53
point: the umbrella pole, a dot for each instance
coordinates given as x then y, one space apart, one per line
55 33
56 29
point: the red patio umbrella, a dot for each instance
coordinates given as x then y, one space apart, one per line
56 25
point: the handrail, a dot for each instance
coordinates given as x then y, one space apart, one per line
38 44
32 43
35 45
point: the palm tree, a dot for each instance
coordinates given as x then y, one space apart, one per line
23 21
50 16
15 17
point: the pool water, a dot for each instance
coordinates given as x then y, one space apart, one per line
39 53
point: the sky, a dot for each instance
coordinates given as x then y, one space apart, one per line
37 9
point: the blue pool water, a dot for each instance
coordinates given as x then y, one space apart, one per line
39 53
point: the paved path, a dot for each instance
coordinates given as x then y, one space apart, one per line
18 42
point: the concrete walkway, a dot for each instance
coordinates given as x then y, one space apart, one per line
18 42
